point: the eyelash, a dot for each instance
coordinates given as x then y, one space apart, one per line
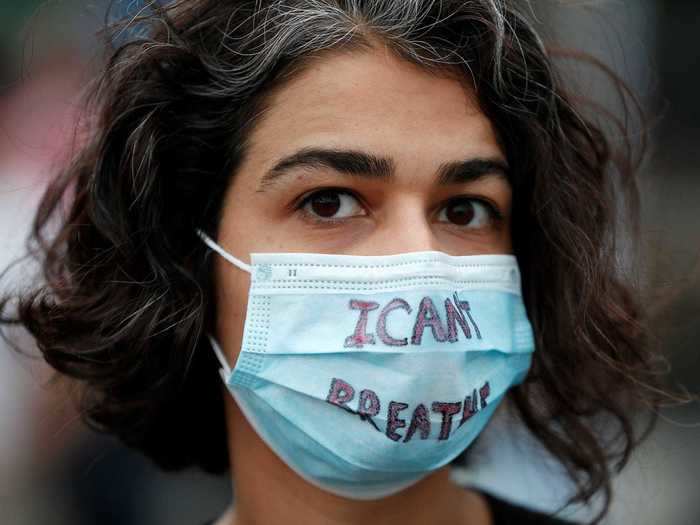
493 211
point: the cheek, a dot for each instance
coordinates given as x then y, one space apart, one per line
232 287
505 240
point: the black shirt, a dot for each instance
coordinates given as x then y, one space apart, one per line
506 513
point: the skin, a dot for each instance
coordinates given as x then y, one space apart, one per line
375 102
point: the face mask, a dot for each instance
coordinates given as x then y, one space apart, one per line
366 373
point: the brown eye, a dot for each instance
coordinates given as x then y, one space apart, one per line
325 203
331 204
460 213
471 213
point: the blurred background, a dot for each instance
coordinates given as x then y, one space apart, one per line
54 471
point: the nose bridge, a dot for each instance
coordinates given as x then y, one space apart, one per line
404 228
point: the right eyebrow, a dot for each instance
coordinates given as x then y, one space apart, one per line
357 163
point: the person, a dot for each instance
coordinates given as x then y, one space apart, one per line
317 243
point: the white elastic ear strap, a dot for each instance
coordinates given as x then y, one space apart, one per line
218 249
225 370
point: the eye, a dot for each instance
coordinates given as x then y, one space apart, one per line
331 204
470 213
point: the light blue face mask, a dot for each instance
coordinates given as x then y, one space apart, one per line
366 373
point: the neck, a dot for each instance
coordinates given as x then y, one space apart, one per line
267 491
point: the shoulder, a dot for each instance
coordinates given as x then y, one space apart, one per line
507 513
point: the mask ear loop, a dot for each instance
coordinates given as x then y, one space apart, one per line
218 249
225 370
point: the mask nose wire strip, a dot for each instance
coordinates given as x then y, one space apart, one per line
218 249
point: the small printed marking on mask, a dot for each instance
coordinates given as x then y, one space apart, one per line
263 272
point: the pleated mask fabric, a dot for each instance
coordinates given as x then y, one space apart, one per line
366 373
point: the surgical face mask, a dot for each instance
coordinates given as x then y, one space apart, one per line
366 373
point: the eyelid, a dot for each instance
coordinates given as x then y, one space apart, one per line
299 204
305 197
492 208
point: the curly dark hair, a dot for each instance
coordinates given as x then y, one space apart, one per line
127 291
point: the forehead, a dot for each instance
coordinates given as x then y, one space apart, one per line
376 102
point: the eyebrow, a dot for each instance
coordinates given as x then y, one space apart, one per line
357 163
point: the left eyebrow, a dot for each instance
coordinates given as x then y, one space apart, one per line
357 163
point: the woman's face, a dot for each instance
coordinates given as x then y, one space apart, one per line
426 173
